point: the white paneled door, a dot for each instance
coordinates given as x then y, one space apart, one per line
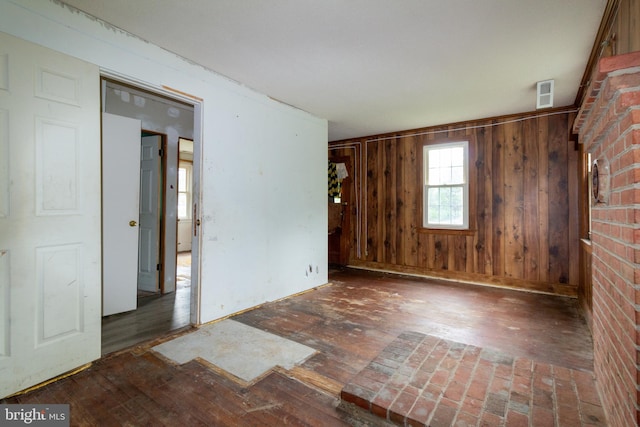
50 256
149 243
120 218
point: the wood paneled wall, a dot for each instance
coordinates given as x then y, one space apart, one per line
624 33
523 204
619 33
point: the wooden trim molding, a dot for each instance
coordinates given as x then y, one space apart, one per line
558 289
467 232
601 41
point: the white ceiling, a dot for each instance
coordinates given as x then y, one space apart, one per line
376 66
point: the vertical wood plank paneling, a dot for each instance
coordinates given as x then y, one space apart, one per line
498 201
357 212
634 26
558 202
442 251
403 162
543 196
477 174
380 205
626 28
471 251
532 207
411 196
372 197
544 219
450 253
471 240
434 252
459 253
513 201
573 181
487 213
353 154
423 250
390 223
623 38
521 192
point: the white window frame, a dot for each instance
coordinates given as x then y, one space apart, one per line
426 150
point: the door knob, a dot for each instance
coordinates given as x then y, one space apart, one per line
132 223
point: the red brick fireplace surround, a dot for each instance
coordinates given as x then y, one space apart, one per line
608 125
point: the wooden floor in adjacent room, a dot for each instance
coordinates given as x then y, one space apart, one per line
155 315
349 322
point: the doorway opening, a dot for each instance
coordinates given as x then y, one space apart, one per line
165 188
339 210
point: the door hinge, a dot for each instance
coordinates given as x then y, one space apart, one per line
161 152
158 267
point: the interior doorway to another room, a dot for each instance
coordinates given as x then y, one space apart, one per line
163 294
185 195
185 226
339 233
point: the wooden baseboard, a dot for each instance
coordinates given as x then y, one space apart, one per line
560 289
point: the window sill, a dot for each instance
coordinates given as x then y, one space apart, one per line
454 232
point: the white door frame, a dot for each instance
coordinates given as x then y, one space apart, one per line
196 102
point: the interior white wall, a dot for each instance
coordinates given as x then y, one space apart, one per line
263 177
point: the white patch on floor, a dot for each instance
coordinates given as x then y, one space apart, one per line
241 350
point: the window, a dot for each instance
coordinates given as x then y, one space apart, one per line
184 190
446 185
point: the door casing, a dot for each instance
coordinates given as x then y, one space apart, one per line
196 103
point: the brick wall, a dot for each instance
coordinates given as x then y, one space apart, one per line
609 126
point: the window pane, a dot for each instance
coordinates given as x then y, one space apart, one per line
445 197
457 203
182 179
446 166
457 156
434 196
445 172
433 205
456 196
182 205
456 216
434 159
445 157
446 175
445 205
434 176
457 175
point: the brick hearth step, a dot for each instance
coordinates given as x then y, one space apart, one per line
422 380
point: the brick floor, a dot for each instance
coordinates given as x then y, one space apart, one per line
421 380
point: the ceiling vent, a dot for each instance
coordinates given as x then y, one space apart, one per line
544 94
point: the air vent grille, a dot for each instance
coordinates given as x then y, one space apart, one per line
544 94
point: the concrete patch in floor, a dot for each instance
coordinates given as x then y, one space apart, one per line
243 351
